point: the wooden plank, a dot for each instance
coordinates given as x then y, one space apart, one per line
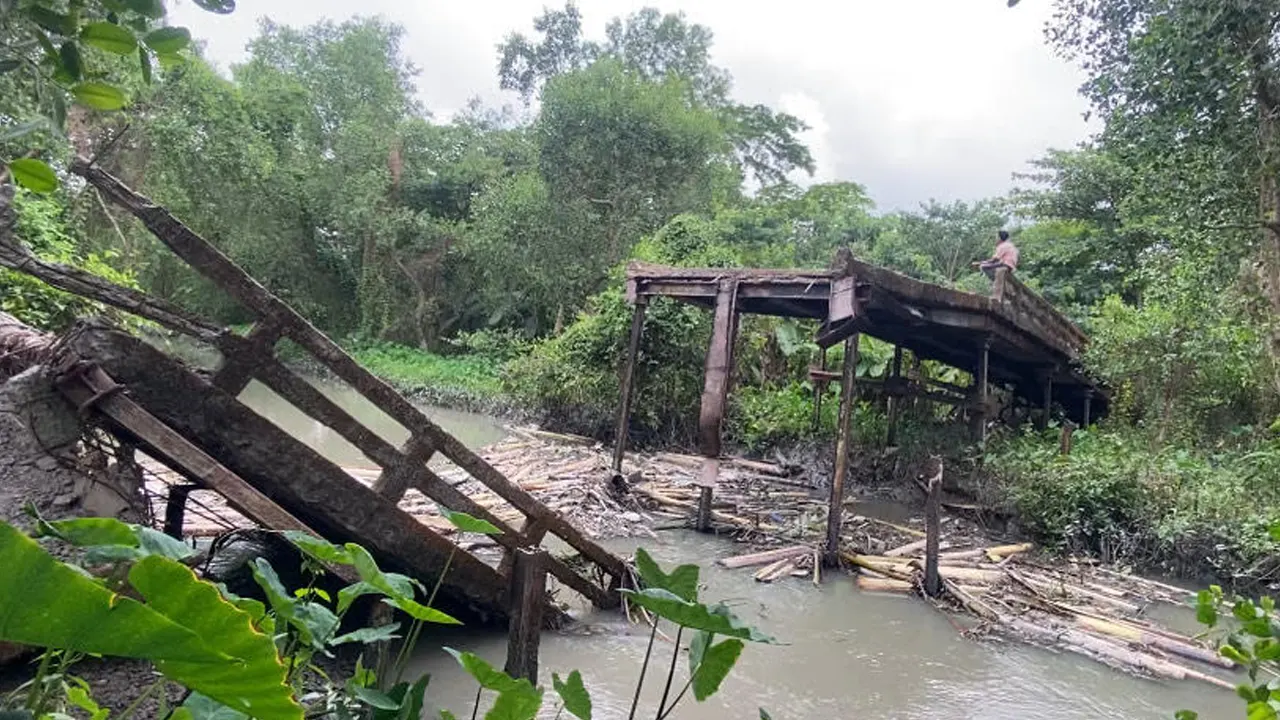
394 480
211 263
238 368
90 386
719 368
528 597
297 479
835 506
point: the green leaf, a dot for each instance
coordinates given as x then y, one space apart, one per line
153 9
144 61
200 707
1186 715
682 582
517 699
764 715
110 37
154 542
718 620
319 549
168 40
169 61
33 175
82 532
222 7
99 96
70 61
255 681
410 699
716 662
446 715
54 22
1261 711
467 523
49 604
573 694
79 697
398 589
368 635
374 698
314 622
1233 654
1206 610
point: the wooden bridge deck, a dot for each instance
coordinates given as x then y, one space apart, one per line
1032 347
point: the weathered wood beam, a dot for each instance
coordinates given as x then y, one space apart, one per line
895 373
933 532
719 368
211 263
395 479
527 599
980 399
835 507
175 509
238 368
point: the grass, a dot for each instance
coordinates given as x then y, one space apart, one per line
412 369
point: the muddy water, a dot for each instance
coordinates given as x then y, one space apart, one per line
474 430
845 654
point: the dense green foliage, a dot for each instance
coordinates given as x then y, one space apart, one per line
242 658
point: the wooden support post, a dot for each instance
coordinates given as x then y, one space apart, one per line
528 597
932 523
894 401
835 509
175 509
980 396
627 385
1088 408
1064 438
719 367
819 389
706 493
704 508
1047 406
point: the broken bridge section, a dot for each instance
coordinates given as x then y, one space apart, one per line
1012 338
200 430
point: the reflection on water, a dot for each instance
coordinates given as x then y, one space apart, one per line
846 654
474 430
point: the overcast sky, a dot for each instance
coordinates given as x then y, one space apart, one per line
915 99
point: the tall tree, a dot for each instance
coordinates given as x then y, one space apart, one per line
657 48
1190 91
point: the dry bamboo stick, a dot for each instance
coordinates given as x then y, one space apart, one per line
766 573
760 558
999 552
877 584
911 547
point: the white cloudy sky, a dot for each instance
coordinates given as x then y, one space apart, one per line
915 99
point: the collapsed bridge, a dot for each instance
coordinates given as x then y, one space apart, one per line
198 428
1012 338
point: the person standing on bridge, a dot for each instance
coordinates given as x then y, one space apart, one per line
1006 255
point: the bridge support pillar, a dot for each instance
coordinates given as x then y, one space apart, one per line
835 510
627 385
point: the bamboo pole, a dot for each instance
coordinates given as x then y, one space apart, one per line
835 509
932 582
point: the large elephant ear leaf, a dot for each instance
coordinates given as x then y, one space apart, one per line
47 603
255 681
681 582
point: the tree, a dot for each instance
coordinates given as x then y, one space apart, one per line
659 48
51 56
939 242
627 151
1089 238
1190 91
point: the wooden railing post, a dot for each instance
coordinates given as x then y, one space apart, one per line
894 401
528 597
